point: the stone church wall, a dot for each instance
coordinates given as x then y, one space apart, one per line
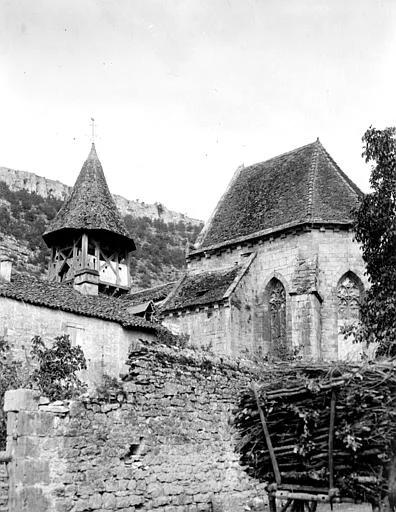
105 344
337 254
165 442
311 318
206 328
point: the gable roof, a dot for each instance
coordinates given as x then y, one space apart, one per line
302 186
154 294
61 296
90 207
140 309
205 287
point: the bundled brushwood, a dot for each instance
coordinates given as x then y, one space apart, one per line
296 402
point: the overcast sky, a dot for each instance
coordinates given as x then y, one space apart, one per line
184 91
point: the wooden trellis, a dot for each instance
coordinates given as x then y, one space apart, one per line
300 498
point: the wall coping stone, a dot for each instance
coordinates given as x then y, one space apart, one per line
187 356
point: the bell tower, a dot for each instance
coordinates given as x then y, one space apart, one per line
90 246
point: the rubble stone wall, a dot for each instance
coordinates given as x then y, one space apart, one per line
3 487
165 441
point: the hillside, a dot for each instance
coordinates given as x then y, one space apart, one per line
29 202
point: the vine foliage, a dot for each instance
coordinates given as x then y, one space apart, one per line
375 230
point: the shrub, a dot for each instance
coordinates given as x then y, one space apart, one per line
57 367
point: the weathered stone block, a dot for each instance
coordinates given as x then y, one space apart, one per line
20 400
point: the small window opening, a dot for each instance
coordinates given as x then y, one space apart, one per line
134 449
200 293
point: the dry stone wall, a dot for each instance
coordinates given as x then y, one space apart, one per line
3 486
164 440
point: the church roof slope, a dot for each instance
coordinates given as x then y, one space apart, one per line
90 206
61 296
155 294
198 289
303 185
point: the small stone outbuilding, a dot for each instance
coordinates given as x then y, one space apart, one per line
88 274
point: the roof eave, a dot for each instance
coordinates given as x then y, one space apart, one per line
270 231
51 237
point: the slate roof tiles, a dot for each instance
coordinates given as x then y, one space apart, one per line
198 289
63 297
303 185
90 206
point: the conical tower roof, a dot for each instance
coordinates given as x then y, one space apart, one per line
90 208
302 186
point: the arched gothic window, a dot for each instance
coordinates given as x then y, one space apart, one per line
349 292
277 312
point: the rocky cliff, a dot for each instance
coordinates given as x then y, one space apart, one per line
44 187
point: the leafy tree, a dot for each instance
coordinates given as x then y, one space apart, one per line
375 228
55 374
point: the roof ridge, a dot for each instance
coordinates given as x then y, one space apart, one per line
282 154
173 292
341 173
151 288
244 268
313 171
209 222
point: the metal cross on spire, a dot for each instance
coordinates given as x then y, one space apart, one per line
93 130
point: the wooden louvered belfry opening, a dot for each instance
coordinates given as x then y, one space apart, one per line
87 253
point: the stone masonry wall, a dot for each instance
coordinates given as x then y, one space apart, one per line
335 251
208 327
105 344
3 486
165 441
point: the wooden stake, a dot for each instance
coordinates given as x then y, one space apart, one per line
331 438
272 503
268 439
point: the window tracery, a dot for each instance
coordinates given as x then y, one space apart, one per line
348 295
277 307
349 291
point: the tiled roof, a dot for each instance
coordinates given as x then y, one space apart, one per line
155 294
62 296
197 289
304 185
90 206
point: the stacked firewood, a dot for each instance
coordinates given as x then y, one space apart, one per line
296 402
